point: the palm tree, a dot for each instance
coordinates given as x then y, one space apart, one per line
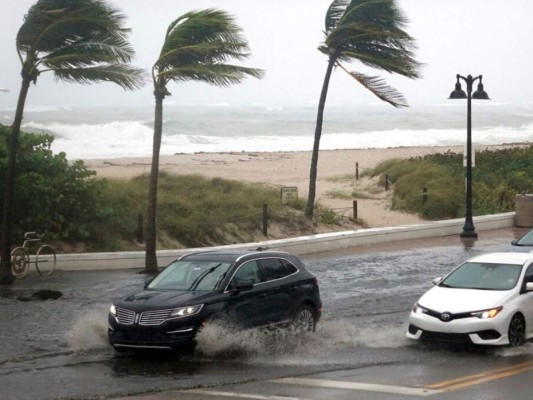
196 48
80 41
368 31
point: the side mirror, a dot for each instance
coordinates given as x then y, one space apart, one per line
529 287
514 242
437 280
242 285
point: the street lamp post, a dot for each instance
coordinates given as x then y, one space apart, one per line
469 231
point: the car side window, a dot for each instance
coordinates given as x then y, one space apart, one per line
248 272
291 269
274 268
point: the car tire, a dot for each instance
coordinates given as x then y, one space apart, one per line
304 319
517 331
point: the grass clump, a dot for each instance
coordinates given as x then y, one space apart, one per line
339 194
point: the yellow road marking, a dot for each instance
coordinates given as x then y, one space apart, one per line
368 387
476 379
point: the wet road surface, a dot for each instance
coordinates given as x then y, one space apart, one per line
57 349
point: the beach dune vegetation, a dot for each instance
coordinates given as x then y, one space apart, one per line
82 41
371 32
197 47
498 176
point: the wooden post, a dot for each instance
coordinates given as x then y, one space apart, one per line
355 210
265 219
386 182
424 195
356 171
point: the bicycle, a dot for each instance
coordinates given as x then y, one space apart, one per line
45 257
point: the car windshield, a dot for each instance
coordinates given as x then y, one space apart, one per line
526 240
483 276
194 275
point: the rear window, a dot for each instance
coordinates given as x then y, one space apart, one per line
291 269
275 268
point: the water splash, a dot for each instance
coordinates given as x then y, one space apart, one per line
525 350
88 332
217 340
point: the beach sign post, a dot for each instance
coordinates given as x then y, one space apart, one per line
469 231
288 194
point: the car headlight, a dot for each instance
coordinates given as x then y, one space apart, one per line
418 309
487 314
113 310
186 311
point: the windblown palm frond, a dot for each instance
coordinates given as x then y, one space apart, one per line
380 89
69 34
216 74
120 74
371 32
335 12
204 40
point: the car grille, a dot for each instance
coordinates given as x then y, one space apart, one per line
446 337
154 317
124 316
149 318
450 316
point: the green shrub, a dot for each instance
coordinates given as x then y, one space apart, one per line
52 196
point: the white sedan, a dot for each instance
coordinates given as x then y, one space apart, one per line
486 300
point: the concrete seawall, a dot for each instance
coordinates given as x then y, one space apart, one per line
303 245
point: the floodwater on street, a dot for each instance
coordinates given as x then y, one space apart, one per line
367 296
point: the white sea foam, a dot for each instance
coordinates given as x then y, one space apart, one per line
127 132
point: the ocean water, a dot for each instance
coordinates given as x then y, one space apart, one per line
110 132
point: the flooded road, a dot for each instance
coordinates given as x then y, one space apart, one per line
57 349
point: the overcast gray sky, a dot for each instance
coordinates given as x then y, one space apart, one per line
488 37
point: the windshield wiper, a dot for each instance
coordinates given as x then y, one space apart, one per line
200 277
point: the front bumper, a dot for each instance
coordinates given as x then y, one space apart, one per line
169 335
467 330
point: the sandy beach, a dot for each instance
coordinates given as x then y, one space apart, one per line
336 174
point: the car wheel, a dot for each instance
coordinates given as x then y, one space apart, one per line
304 320
517 331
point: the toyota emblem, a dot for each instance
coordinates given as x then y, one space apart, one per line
445 317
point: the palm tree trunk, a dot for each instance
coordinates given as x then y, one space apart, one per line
151 266
309 209
6 277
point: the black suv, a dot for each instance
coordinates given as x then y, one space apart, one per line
249 289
